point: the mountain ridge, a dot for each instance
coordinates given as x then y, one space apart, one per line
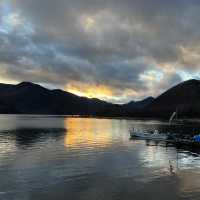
31 98
184 97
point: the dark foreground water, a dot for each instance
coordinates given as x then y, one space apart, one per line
93 159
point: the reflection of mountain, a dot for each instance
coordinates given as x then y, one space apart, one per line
87 133
29 136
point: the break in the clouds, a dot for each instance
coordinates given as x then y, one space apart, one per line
109 49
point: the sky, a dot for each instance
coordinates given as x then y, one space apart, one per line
114 50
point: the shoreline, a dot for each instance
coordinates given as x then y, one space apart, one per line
181 120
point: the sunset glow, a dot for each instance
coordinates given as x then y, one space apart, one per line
118 52
90 91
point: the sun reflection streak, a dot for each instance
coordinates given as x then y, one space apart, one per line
87 133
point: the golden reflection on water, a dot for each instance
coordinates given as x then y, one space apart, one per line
88 133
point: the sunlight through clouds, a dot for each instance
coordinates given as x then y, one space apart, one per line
89 90
88 23
118 51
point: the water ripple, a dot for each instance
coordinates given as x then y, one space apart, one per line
44 157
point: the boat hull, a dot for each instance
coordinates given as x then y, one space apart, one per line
149 136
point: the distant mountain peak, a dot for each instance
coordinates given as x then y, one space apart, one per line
148 98
30 85
193 80
24 83
190 82
139 104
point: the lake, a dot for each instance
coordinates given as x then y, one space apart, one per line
57 157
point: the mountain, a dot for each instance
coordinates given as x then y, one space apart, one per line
30 98
139 104
136 108
184 97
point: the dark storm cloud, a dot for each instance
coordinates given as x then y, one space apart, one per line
121 44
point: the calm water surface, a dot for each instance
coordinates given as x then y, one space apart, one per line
48 157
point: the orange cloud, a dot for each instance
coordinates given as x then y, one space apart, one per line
89 90
102 92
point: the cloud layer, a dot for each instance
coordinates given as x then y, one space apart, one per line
123 50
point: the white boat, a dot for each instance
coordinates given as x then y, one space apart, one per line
148 135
